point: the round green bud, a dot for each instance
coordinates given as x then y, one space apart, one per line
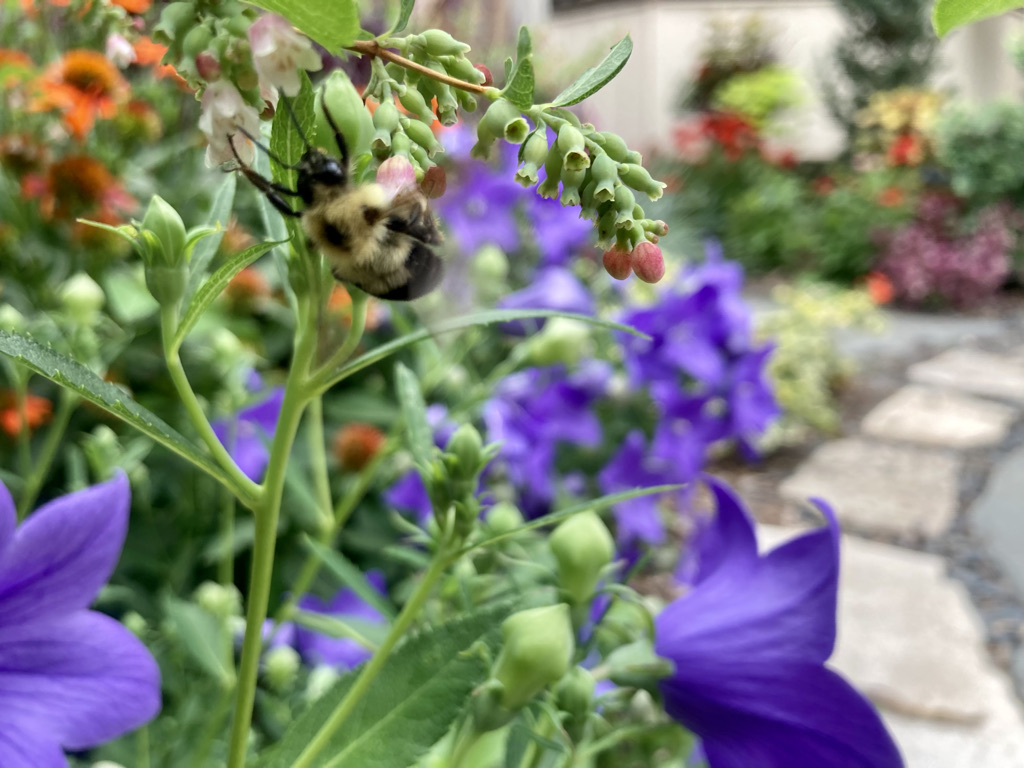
401 145
613 144
135 623
606 176
573 148
437 42
281 667
606 228
413 101
562 340
463 69
537 652
503 517
421 134
238 25
386 117
466 100
221 600
490 265
503 120
466 447
11 319
574 695
82 298
196 41
342 100
321 680
582 547
639 179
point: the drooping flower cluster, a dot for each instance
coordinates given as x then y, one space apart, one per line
708 382
749 641
70 678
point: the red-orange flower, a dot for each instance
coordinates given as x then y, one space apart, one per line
248 285
75 186
890 197
907 149
150 54
823 185
879 287
133 6
84 85
355 444
34 412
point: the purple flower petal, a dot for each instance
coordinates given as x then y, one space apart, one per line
63 553
341 652
20 748
8 519
74 681
247 435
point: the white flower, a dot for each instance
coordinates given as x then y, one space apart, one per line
279 52
120 51
224 113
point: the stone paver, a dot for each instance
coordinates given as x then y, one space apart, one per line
971 370
941 417
998 516
910 640
881 488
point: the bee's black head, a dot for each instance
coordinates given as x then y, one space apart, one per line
317 169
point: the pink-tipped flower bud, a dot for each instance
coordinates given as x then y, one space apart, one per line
648 263
617 263
396 173
208 67
488 77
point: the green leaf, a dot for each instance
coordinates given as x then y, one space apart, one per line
404 12
524 45
353 578
203 635
562 514
369 634
220 214
285 140
213 287
487 317
950 14
596 78
334 25
73 375
414 411
422 688
519 91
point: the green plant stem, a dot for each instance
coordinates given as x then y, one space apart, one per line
374 49
213 727
244 489
376 664
226 566
267 512
352 339
318 458
41 466
142 747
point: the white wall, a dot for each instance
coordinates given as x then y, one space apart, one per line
668 37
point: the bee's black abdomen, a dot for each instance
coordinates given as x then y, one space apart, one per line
335 236
425 272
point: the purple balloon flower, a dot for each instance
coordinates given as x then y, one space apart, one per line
552 288
70 678
340 652
558 230
247 434
749 642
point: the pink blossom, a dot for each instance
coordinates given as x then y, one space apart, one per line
224 113
279 52
120 51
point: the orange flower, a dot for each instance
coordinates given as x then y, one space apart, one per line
75 186
150 54
907 149
890 197
355 444
879 287
133 6
84 85
247 285
340 302
35 412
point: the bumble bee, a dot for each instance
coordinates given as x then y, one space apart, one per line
380 245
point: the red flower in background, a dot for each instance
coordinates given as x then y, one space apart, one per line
84 85
907 149
35 412
731 131
891 197
77 185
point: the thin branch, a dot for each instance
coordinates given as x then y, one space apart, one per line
373 48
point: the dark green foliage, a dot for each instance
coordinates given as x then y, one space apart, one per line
889 44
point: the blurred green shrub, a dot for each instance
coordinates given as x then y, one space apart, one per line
974 144
760 96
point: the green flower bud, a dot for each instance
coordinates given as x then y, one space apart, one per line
571 183
613 144
281 667
175 19
466 100
437 42
82 298
166 245
196 41
624 203
321 680
533 155
421 134
553 170
135 623
401 145
503 517
606 176
488 712
447 106
504 120
636 665
238 25
463 69
386 117
490 265
537 652
573 148
634 157
639 179
11 319
582 547
573 695
562 340
221 600
413 101
606 228
341 98
395 72
466 448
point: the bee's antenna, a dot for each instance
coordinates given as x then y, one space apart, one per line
298 127
266 151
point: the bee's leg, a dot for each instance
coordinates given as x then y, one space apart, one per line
272 191
338 138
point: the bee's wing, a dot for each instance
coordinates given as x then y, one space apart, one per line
410 214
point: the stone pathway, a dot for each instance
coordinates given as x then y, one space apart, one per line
910 635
